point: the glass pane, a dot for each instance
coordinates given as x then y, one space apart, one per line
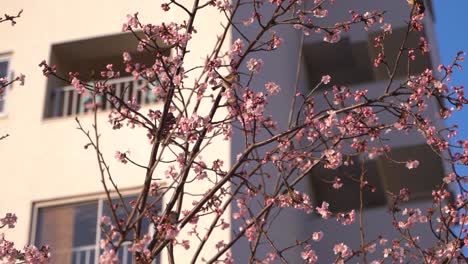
3 68
85 225
69 230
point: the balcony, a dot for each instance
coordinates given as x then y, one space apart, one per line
65 101
87 255
86 57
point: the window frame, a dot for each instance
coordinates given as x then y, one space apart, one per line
5 57
100 198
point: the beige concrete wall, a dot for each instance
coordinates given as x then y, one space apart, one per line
44 158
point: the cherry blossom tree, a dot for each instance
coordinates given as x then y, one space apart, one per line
221 98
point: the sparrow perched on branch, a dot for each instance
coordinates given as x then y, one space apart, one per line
160 235
227 81
420 7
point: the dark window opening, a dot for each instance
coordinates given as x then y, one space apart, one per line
392 44
347 62
348 196
421 180
382 174
351 62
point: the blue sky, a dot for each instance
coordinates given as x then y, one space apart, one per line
452 35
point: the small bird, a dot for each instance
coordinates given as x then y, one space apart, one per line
419 5
160 235
227 81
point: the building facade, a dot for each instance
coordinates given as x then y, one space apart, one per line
51 181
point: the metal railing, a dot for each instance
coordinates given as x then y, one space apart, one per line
84 254
66 101
87 255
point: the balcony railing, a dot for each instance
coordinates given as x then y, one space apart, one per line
66 101
84 255
87 255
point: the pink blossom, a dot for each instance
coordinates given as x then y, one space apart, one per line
248 21
220 244
423 44
333 37
371 248
334 159
106 220
237 47
404 194
320 13
317 236
337 184
35 256
272 88
383 241
165 7
9 220
132 21
224 225
255 65
277 2
326 79
323 210
451 177
387 28
126 57
272 256
186 244
121 156
412 164
108 257
21 79
80 88
276 42
414 216
379 60
103 243
228 259
343 250
109 72
346 218
309 255
251 233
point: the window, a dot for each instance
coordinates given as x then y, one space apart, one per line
347 62
392 46
383 175
73 229
4 70
351 62
421 180
348 196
